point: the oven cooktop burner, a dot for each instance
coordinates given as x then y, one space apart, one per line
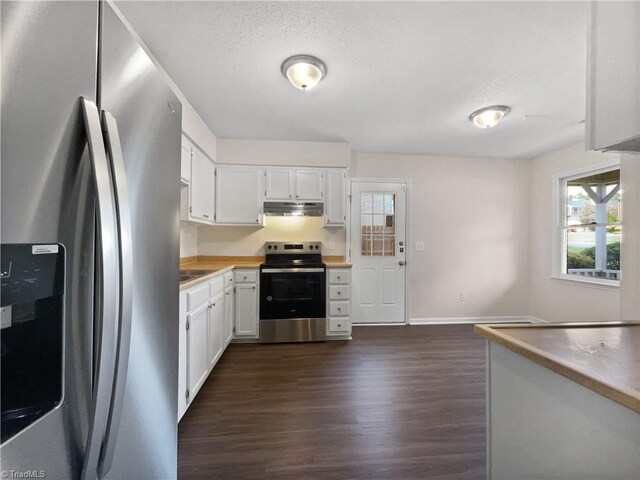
283 255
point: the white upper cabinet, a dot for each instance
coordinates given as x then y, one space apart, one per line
288 183
202 188
308 184
335 198
185 161
238 195
613 76
279 183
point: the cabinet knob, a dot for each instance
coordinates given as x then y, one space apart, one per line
338 277
339 309
253 288
339 293
289 195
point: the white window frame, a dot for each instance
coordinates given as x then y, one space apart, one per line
559 247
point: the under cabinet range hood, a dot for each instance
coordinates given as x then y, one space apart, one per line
293 209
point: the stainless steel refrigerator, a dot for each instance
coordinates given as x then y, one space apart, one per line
90 153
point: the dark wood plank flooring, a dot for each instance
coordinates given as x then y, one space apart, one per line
395 403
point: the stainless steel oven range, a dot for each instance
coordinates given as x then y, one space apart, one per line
293 293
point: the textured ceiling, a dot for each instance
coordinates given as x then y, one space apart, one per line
402 77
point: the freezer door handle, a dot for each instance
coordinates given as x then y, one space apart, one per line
123 215
106 290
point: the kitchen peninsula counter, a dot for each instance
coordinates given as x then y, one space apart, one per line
563 400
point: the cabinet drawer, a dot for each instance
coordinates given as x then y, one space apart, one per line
197 296
216 286
246 276
338 309
228 279
340 324
339 292
339 276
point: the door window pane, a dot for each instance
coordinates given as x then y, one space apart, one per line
378 223
378 201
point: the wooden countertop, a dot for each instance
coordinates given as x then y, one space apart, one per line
604 357
218 265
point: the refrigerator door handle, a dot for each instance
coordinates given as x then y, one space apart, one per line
106 290
114 149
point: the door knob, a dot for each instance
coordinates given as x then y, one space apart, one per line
402 262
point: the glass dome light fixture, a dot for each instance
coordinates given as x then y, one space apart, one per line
488 117
304 71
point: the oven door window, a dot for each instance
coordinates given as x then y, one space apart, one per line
292 295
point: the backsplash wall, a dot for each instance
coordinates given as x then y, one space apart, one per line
188 240
250 241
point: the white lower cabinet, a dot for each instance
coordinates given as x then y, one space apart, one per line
215 331
247 319
197 350
205 329
229 310
247 311
338 302
182 356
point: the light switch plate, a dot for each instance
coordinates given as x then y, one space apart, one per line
419 246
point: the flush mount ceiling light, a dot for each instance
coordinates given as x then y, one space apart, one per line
304 71
488 117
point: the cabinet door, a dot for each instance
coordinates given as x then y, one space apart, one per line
247 310
229 309
197 358
202 187
279 183
185 161
215 331
238 195
309 184
334 207
613 80
182 382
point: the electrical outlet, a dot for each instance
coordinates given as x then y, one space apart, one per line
418 246
463 296
332 245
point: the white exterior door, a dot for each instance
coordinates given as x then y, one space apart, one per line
378 251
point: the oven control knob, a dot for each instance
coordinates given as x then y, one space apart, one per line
317 247
269 298
310 247
275 247
269 247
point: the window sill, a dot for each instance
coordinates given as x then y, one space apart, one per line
601 284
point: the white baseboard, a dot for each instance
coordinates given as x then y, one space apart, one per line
471 320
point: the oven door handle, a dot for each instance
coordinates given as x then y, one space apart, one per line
292 270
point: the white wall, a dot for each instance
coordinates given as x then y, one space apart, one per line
273 152
557 300
250 240
472 214
188 240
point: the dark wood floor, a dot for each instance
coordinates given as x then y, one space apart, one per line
395 403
